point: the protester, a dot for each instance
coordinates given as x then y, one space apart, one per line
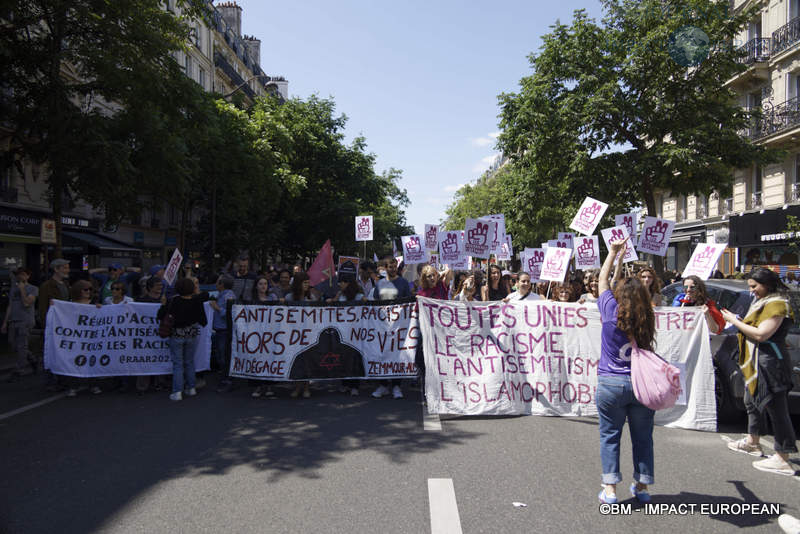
116 271
561 292
458 281
367 276
695 294
154 295
55 288
576 287
190 317
524 289
301 292
494 289
225 294
81 293
766 367
118 295
652 282
432 284
468 290
591 283
20 319
284 286
392 287
480 281
261 295
626 316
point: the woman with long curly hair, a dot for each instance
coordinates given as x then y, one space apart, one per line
652 282
696 294
627 317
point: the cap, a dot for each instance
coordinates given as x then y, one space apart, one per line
117 266
154 269
58 263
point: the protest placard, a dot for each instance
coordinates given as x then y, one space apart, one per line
172 268
432 237
532 260
588 216
497 238
629 221
587 252
116 340
506 250
655 236
704 260
478 235
568 238
324 342
541 357
364 229
618 233
451 246
413 249
348 264
556 263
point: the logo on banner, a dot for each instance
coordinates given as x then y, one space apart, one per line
477 236
364 228
328 358
477 232
655 236
413 246
588 216
618 233
431 235
450 244
703 260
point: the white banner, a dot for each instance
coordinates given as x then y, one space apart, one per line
479 233
113 340
556 263
432 237
324 342
629 221
588 216
413 250
587 252
535 357
704 260
364 229
618 233
655 236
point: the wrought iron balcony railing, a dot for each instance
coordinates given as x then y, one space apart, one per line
782 117
236 79
786 36
757 50
795 192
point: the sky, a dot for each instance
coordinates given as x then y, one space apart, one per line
419 80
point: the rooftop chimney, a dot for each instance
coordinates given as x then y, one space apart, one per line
232 14
253 48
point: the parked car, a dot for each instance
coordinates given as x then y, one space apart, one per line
729 385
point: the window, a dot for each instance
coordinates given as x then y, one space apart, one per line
794 9
201 77
754 100
757 180
755 197
754 29
173 216
188 65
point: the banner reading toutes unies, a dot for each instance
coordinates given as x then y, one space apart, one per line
305 342
114 340
534 357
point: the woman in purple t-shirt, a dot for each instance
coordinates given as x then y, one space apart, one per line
626 315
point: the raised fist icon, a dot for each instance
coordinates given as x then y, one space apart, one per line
617 235
702 260
430 236
450 245
627 220
555 262
588 214
538 256
586 249
532 264
412 245
363 226
656 233
477 236
561 244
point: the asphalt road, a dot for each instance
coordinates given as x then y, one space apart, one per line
229 463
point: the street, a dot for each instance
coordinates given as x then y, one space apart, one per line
334 463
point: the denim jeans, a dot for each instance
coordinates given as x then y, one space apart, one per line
220 340
182 350
615 403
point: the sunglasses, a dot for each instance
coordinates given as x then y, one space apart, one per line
689 288
116 289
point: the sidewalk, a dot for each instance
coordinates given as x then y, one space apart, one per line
8 359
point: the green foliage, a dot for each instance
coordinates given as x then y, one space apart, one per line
793 231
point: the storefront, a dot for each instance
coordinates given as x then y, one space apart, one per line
762 238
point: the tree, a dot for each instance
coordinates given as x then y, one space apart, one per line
75 74
610 114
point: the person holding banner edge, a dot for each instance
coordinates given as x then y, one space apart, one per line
626 315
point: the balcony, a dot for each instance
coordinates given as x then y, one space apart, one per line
756 51
230 72
727 207
786 36
795 193
782 117
756 201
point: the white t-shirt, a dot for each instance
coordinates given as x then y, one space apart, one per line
517 296
125 300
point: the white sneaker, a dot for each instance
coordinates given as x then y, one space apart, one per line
191 392
789 524
175 396
257 392
397 393
775 464
354 392
72 392
380 392
96 390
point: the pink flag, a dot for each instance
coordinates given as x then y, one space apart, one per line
322 268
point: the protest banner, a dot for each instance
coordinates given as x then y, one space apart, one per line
506 250
364 228
115 340
532 260
556 263
413 249
587 252
704 260
588 216
432 237
172 268
451 246
478 234
329 341
629 221
655 236
618 233
540 357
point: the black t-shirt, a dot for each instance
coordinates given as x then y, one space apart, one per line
186 312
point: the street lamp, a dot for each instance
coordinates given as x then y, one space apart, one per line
269 83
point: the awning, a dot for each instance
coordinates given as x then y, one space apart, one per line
98 242
747 229
681 235
12 238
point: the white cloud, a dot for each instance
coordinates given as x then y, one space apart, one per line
485 163
452 188
487 140
494 135
437 201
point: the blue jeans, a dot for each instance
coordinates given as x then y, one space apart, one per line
182 350
615 403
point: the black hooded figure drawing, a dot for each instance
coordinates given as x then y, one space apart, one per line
328 358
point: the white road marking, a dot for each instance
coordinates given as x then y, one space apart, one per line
32 406
444 510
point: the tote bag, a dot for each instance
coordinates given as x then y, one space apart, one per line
656 382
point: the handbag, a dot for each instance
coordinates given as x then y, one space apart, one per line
167 323
656 382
